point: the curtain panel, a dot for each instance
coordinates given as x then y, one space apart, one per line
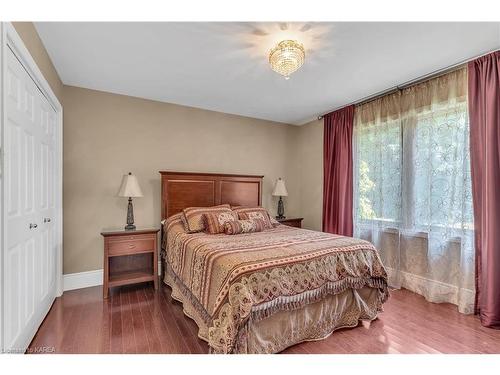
412 187
484 108
337 176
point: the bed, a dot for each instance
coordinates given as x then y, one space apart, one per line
262 292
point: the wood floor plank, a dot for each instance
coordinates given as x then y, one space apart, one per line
68 341
140 333
129 340
116 338
150 327
105 336
182 323
160 327
166 306
87 331
138 319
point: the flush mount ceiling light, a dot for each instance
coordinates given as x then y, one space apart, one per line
287 57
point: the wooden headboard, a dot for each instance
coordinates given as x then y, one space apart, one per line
184 189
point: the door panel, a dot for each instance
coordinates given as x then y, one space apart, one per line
30 279
46 208
29 149
12 294
13 168
30 258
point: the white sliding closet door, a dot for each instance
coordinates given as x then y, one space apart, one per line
30 252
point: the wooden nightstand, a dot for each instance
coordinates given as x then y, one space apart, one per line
292 222
130 256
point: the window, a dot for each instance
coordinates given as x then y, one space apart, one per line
440 182
380 160
421 181
412 187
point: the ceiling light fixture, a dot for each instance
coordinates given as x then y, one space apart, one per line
287 57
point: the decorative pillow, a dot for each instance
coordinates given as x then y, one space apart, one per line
274 222
244 226
194 220
248 213
214 221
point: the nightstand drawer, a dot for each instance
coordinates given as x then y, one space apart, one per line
137 245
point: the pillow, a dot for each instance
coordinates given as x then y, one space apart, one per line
214 221
248 213
244 226
274 222
193 217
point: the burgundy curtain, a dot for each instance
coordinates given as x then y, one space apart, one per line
337 177
484 116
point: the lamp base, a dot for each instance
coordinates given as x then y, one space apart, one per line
281 209
130 216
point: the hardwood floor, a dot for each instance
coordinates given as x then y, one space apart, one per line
137 319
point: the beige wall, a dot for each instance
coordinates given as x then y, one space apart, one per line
310 173
107 135
33 43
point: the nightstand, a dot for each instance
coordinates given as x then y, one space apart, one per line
292 222
130 257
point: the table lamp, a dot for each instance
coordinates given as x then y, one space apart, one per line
280 191
130 188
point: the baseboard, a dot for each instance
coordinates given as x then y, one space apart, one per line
87 279
80 280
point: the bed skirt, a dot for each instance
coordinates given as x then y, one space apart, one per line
285 328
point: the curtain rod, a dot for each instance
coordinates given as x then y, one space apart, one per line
422 78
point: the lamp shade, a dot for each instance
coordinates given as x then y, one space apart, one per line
130 187
280 189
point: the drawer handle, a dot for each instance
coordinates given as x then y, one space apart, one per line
131 246
33 226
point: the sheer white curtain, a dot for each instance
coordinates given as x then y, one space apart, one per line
412 185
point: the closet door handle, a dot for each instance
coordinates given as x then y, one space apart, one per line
46 220
33 226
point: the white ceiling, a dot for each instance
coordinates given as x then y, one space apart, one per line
223 66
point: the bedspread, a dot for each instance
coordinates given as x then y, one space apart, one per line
233 278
